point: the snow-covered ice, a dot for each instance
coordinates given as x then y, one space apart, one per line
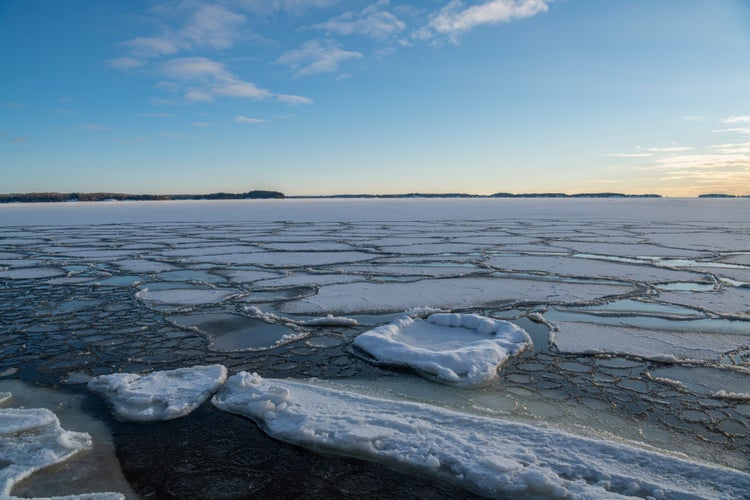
32 439
461 349
159 395
488 456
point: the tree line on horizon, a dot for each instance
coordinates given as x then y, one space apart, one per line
66 197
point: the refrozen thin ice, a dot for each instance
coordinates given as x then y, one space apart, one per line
160 395
459 349
485 455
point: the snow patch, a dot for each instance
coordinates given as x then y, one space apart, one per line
459 349
331 320
159 395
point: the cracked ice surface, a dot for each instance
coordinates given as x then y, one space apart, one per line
638 310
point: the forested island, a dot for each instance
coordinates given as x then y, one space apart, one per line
265 195
65 197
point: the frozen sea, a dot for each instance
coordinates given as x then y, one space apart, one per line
508 348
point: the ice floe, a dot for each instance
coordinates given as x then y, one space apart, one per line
485 455
160 395
27 273
185 296
236 333
461 349
449 293
660 345
32 439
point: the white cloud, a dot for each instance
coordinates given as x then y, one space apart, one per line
209 79
316 57
371 21
151 46
212 26
206 25
195 68
125 63
200 124
735 130
737 119
732 148
669 149
154 115
247 119
295 7
455 18
630 155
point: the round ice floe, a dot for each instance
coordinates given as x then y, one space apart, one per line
32 439
460 349
159 395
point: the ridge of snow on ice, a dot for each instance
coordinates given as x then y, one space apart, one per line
32 439
486 455
160 395
460 349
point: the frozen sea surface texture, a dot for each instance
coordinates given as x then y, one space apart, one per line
159 395
459 349
32 439
485 455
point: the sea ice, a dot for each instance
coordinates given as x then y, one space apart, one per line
185 296
460 349
235 333
663 345
28 273
32 439
159 395
485 455
449 293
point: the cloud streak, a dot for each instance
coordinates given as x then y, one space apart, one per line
205 80
456 19
372 21
316 57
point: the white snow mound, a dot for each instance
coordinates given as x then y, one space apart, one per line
159 395
485 455
459 349
32 439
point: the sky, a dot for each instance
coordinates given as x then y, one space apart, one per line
336 96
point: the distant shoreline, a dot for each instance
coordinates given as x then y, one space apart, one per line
265 195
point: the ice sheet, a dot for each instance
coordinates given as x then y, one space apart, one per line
186 296
488 456
589 338
459 349
450 293
159 395
30 273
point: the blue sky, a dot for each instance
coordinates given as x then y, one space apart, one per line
337 96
